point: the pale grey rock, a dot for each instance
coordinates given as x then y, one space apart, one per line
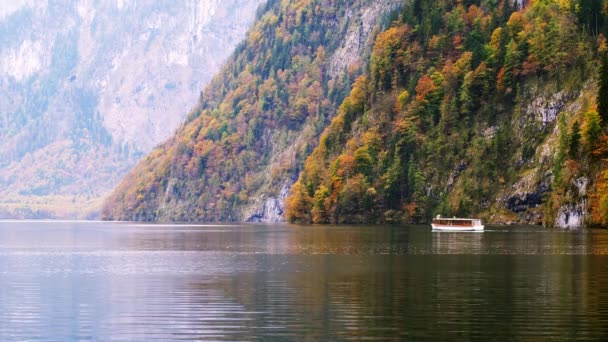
545 109
489 132
528 191
571 216
519 3
361 25
273 208
581 184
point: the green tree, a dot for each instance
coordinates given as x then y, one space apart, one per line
512 57
474 42
602 96
592 129
319 214
590 15
575 141
298 205
363 161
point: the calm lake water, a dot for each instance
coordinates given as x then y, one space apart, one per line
128 282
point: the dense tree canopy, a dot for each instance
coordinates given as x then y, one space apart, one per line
392 157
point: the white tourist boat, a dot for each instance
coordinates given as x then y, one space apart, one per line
456 224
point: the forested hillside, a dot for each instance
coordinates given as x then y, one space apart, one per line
469 108
487 108
245 142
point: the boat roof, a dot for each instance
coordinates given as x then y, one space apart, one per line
455 218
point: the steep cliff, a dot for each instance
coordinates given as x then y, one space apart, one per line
88 87
242 147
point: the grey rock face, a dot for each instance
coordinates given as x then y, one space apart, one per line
546 110
273 208
581 184
527 192
454 175
361 26
522 202
571 216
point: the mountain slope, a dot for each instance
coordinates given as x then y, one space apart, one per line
486 108
243 145
86 88
469 108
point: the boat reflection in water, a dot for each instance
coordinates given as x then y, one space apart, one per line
458 243
456 224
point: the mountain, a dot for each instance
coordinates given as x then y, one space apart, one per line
477 108
486 108
88 87
242 146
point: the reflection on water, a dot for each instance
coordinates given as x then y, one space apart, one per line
115 281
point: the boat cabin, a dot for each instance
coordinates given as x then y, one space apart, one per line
457 222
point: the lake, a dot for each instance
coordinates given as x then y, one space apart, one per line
69 281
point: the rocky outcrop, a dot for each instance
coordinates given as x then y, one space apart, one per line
273 209
526 197
526 200
454 175
537 137
528 192
520 3
573 215
361 25
546 109
581 184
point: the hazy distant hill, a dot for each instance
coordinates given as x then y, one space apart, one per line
87 87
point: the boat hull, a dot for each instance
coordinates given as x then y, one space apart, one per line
441 227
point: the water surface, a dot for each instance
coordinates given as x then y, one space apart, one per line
69 281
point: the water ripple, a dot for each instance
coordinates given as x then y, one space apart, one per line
73 281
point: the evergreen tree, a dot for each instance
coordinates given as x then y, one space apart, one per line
575 141
474 42
602 96
590 15
592 129
512 56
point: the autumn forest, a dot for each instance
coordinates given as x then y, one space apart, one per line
492 108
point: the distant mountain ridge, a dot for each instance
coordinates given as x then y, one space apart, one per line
88 87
